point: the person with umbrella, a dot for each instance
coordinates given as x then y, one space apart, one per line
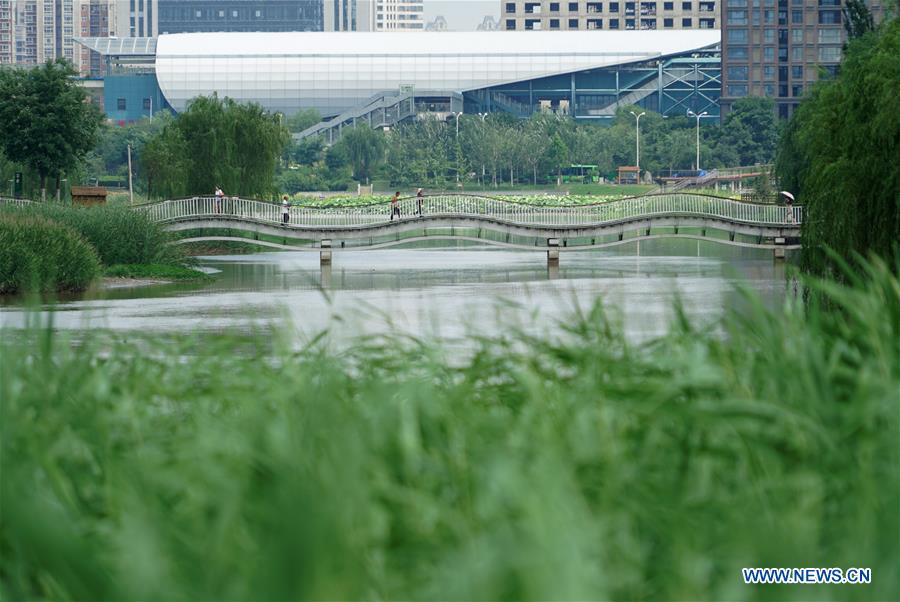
789 202
420 197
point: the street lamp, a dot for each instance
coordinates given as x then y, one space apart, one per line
457 115
483 116
637 141
692 114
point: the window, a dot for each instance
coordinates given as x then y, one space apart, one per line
510 24
783 110
258 14
797 90
829 36
782 90
770 90
554 7
769 36
737 53
121 105
738 36
796 16
737 17
234 14
796 36
769 17
769 53
148 104
554 23
573 7
782 74
737 90
797 54
668 6
614 24
829 17
769 72
511 7
738 73
687 6
797 72
573 23
687 22
595 23
737 3
613 7
221 14
197 14
668 23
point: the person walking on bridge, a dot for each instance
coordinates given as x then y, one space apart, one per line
285 210
420 197
219 196
395 206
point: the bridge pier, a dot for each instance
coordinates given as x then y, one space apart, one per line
552 252
779 253
325 253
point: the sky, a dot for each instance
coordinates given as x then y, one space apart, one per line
462 15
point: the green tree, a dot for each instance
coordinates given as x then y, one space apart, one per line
840 154
558 155
364 148
45 119
222 143
165 163
302 120
751 129
857 19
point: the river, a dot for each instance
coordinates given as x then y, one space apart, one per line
449 292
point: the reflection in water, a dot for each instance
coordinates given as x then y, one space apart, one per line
447 293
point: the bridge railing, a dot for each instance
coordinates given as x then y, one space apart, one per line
484 207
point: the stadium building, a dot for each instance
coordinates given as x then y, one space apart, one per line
384 78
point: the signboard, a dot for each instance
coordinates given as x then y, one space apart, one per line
407 88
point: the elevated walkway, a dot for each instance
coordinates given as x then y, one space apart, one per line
382 110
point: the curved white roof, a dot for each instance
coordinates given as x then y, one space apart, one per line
336 71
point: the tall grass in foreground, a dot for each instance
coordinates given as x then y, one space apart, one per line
585 470
120 234
37 254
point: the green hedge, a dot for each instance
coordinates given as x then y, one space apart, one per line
119 234
37 254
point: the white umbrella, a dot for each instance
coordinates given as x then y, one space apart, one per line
788 196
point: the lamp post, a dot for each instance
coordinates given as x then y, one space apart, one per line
457 115
692 114
637 141
483 170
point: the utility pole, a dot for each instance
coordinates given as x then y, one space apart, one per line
692 114
637 142
130 184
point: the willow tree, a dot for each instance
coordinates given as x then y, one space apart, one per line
221 143
840 151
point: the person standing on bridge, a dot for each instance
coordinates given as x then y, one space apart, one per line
420 197
395 206
285 210
219 196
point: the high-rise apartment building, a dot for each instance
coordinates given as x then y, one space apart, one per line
135 18
619 15
179 16
398 15
776 48
348 15
35 31
7 32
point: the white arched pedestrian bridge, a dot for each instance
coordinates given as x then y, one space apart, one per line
485 219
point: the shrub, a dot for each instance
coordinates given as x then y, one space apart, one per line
119 234
37 254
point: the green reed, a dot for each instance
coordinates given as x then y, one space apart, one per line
584 468
37 254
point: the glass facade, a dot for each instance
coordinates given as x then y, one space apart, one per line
185 16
